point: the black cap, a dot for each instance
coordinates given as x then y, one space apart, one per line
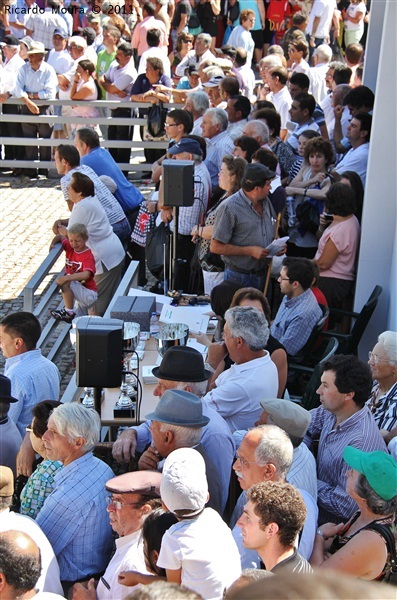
257 172
89 34
10 40
5 390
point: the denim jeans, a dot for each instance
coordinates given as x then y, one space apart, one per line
246 279
123 231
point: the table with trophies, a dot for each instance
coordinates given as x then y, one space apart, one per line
114 359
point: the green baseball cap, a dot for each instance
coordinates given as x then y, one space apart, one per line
379 468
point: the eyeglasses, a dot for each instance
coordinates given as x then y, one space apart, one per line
29 429
283 278
244 463
170 125
375 358
119 505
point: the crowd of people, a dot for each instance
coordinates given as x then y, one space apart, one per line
234 482
318 488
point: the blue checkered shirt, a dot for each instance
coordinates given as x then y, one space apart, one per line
295 320
33 379
75 520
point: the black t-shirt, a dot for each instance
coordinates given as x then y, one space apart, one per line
182 8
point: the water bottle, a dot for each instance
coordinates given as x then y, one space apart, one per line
290 210
154 324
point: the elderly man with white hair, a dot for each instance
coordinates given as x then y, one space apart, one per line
266 454
253 375
258 130
321 58
74 516
196 104
219 142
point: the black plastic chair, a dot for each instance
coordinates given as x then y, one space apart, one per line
310 399
348 342
305 355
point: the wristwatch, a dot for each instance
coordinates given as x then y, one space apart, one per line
321 534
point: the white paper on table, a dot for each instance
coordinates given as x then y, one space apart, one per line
160 300
196 321
193 343
276 246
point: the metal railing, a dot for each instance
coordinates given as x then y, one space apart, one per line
53 119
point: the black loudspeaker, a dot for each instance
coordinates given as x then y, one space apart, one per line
99 345
178 182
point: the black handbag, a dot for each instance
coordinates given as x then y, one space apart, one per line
156 120
308 215
156 238
194 21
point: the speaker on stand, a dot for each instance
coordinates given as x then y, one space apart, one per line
178 190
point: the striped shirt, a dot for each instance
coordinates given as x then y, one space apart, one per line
384 408
359 431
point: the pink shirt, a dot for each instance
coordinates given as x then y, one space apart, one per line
346 237
138 40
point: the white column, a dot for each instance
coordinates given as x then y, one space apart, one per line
378 253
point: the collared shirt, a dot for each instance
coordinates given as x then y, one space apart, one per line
101 161
49 580
191 58
9 72
317 81
128 557
239 390
302 473
384 408
216 440
355 160
33 379
235 130
359 431
75 520
238 223
42 82
121 77
19 13
241 38
197 126
292 139
42 26
295 320
217 147
39 485
282 101
138 39
112 208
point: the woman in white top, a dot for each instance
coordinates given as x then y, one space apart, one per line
104 244
354 21
84 87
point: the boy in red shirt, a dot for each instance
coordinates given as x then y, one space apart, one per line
79 290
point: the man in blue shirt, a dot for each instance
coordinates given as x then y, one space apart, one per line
299 311
101 161
33 377
74 516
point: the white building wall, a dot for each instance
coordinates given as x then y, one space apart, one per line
378 253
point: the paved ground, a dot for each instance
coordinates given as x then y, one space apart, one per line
27 211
